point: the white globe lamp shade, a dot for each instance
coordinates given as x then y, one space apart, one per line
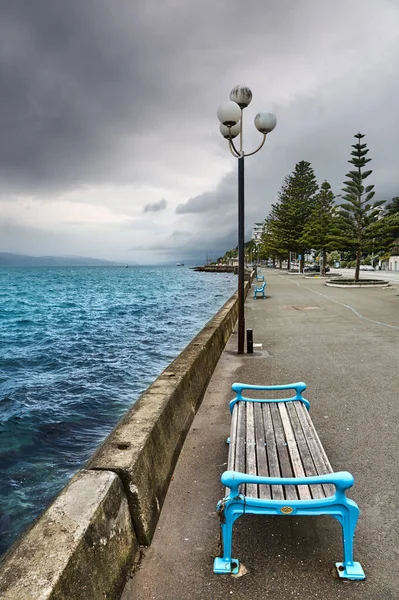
229 113
265 122
230 132
242 95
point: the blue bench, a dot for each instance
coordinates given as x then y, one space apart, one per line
277 466
260 278
260 290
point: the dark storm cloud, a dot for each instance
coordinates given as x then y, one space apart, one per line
180 235
105 102
191 245
58 88
199 204
213 201
81 81
76 77
155 206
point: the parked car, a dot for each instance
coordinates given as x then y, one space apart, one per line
314 269
366 268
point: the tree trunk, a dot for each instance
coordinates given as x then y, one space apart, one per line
359 241
289 261
324 263
357 270
302 262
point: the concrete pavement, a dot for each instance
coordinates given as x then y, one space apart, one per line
344 343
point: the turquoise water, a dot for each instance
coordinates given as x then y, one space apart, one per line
77 347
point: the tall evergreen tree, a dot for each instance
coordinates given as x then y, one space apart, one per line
296 201
392 218
357 212
272 244
385 229
393 207
317 232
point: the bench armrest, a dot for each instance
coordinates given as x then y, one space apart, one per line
233 479
299 387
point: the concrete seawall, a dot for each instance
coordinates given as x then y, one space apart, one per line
81 547
144 447
84 544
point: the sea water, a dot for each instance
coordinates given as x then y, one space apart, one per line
77 347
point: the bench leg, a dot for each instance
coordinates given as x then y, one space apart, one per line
227 564
348 519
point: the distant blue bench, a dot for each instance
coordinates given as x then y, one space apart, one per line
260 290
260 278
277 466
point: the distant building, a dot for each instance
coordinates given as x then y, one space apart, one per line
233 261
380 212
394 258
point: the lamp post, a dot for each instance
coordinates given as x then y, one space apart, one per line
257 242
231 125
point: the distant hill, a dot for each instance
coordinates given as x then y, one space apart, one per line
7 259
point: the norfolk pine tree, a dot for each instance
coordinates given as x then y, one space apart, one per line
294 207
385 229
390 222
272 245
357 213
318 229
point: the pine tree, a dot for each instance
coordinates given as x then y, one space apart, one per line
392 218
385 230
272 245
295 205
393 207
317 232
357 212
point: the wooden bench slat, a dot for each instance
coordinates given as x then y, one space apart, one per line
263 470
285 463
307 461
252 488
272 457
232 445
319 456
277 440
240 441
303 491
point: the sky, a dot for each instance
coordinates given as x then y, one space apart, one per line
110 143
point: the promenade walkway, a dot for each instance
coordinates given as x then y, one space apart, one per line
345 345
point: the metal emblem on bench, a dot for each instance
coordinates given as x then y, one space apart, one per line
287 510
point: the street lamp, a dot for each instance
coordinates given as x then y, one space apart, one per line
257 243
231 125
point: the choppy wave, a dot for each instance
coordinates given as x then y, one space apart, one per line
77 347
